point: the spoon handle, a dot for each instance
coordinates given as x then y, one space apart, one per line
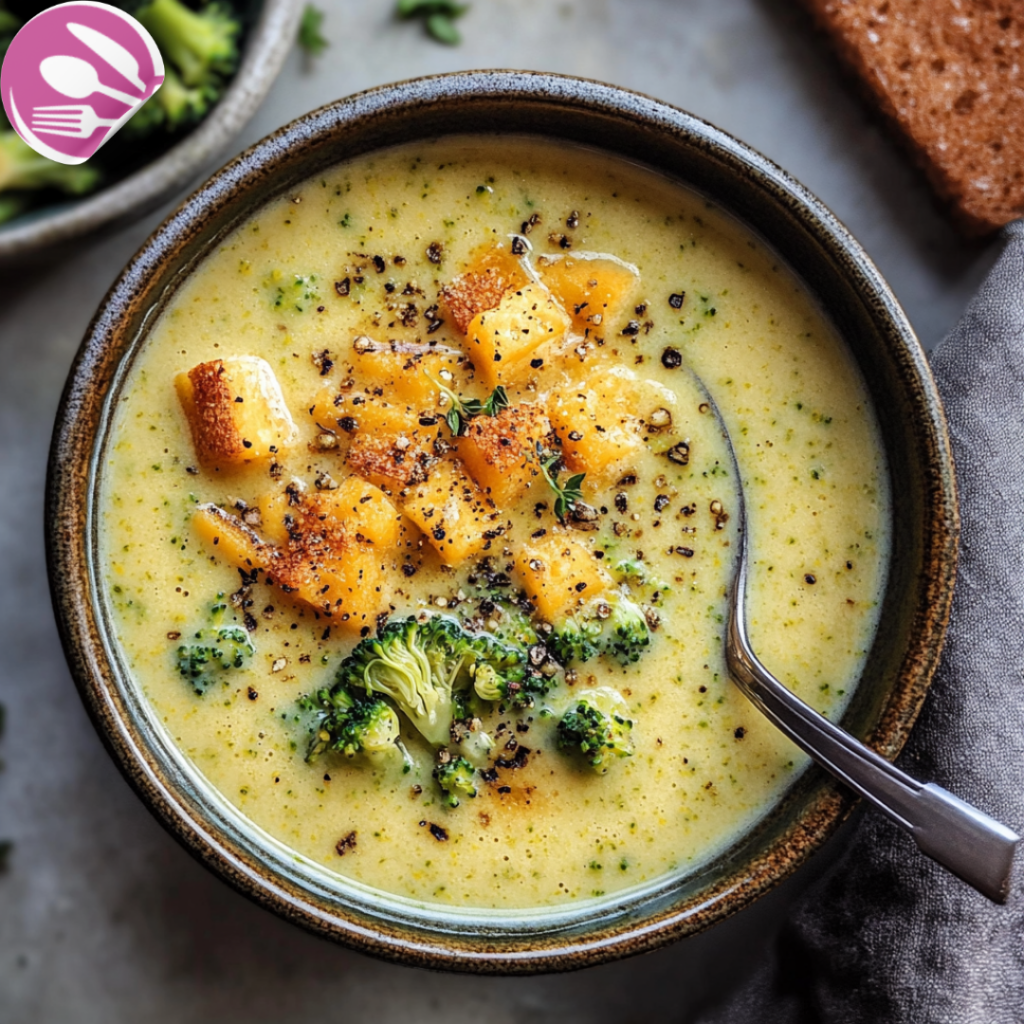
975 847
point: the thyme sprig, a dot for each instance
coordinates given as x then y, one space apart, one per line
462 410
567 494
311 39
438 17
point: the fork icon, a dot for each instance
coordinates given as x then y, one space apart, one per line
74 121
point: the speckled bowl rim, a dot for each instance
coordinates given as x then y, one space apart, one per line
377 927
266 49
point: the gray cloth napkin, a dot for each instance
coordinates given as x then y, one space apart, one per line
887 936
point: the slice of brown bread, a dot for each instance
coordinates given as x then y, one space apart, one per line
949 74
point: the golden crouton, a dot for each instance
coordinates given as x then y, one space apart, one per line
500 451
504 340
592 289
597 423
454 514
559 574
236 411
349 412
227 536
366 511
406 372
327 557
353 510
393 461
492 273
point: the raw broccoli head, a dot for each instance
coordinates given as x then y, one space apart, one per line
213 650
350 723
611 624
422 666
202 45
21 167
173 105
454 775
597 728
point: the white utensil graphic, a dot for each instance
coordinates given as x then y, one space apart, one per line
77 78
110 51
72 121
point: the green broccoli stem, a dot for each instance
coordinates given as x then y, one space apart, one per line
200 45
21 167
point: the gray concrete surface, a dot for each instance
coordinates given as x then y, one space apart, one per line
102 917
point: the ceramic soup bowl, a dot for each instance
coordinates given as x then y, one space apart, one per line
801 230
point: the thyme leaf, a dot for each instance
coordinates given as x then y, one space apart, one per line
311 39
567 494
462 410
438 17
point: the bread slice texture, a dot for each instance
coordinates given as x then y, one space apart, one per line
949 76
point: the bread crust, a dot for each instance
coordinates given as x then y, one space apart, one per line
948 75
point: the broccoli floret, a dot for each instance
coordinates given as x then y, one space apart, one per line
350 723
468 734
627 631
21 167
174 104
638 576
514 625
421 666
202 45
521 690
611 624
597 727
454 775
213 649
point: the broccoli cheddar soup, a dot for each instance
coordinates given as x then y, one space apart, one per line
418 521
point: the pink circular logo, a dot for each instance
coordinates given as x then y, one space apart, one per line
74 74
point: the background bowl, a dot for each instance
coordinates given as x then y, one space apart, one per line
916 603
274 24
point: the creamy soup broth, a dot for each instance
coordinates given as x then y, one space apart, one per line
360 252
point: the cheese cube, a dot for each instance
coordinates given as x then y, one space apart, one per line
502 341
592 289
500 451
404 370
597 423
368 515
235 410
338 576
228 537
559 574
354 510
492 273
453 513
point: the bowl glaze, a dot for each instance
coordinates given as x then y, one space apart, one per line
916 603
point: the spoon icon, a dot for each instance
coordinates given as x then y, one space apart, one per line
78 79
110 51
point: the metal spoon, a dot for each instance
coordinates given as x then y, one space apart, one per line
78 79
975 847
